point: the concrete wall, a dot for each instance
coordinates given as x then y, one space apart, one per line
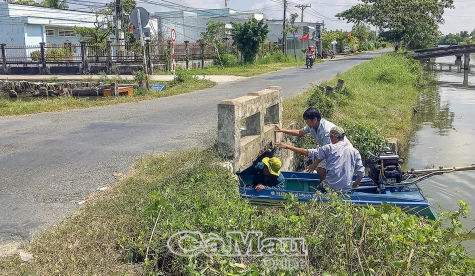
254 108
34 34
12 32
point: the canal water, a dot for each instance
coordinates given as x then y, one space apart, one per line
445 136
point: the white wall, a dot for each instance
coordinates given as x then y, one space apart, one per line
34 34
12 34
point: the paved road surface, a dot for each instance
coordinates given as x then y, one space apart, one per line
49 162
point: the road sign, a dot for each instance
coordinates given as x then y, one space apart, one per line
173 35
158 87
134 19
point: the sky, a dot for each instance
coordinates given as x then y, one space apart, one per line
456 20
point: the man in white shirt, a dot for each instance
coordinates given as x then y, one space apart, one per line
317 127
342 159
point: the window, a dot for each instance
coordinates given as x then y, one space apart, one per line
66 33
50 32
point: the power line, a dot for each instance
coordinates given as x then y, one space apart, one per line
303 7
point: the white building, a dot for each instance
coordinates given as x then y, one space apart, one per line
23 25
190 24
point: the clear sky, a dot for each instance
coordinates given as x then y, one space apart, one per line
456 20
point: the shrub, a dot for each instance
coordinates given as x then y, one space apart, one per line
228 60
322 102
366 138
139 76
183 76
53 54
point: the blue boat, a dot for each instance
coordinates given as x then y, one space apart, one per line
304 186
385 183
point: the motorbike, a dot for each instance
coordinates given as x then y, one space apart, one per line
332 54
309 61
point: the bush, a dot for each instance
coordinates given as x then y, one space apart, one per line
53 54
228 60
322 102
183 76
139 76
366 138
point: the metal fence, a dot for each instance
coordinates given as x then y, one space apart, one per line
84 56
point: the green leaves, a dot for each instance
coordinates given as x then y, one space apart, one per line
249 36
415 22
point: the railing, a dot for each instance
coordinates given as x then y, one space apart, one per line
106 54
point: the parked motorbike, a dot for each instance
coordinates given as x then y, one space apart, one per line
309 61
332 54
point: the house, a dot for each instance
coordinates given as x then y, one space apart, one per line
24 25
294 46
190 24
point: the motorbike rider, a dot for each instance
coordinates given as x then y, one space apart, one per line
311 52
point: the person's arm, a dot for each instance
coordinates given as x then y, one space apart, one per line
317 156
359 170
292 148
293 132
314 165
279 186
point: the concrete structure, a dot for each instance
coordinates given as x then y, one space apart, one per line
314 29
260 110
190 24
458 51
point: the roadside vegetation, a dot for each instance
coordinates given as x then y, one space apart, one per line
375 103
112 233
125 229
183 83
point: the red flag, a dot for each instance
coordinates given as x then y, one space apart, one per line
349 35
131 29
305 37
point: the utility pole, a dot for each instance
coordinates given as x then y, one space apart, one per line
118 22
284 35
226 3
303 7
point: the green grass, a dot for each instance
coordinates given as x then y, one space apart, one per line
382 93
111 233
32 106
249 70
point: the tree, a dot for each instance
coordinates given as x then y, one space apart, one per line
408 21
249 36
98 35
292 29
55 4
214 35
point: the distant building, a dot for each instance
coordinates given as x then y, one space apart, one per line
29 25
190 24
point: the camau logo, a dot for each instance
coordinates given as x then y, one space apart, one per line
235 244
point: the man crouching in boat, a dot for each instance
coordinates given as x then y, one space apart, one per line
267 175
342 161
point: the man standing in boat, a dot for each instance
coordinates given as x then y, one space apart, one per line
267 174
317 127
342 160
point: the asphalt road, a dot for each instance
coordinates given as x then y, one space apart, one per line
49 162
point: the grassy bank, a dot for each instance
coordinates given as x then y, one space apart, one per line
377 100
39 105
112 233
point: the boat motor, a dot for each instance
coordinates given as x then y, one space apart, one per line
384 168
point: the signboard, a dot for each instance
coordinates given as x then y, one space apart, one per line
158 87
134 17
173 35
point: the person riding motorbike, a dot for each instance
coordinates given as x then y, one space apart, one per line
311 52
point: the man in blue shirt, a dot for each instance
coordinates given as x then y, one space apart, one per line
267 175
317 127
342 159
